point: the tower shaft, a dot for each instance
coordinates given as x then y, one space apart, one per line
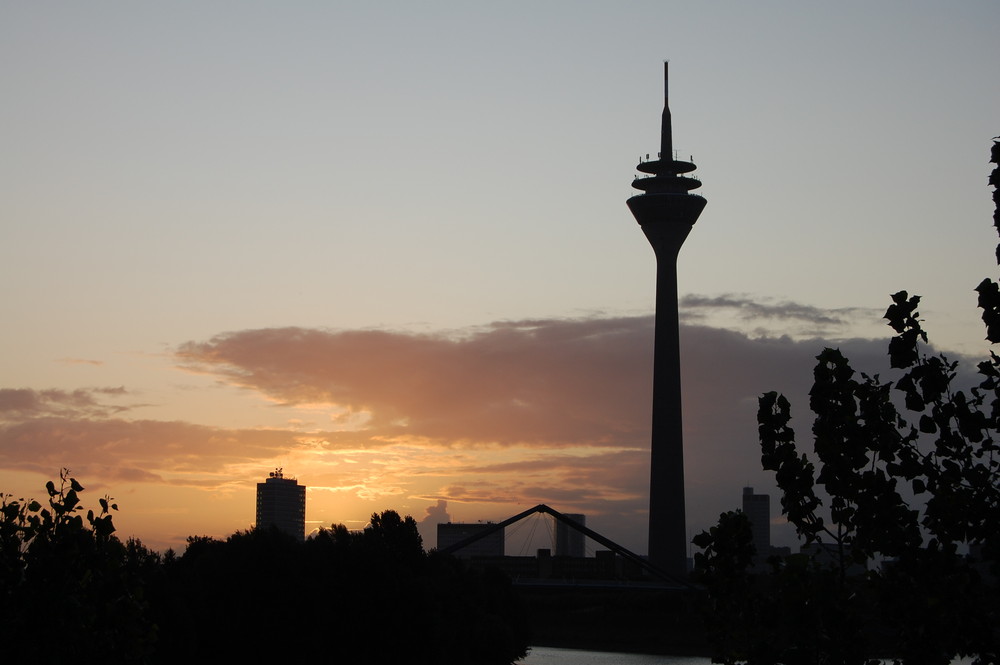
667 526
666 211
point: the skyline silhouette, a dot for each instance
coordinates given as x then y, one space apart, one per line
194 205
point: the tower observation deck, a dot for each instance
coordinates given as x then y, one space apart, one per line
666 210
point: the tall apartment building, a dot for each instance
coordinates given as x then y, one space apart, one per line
757 508
281 502
569 541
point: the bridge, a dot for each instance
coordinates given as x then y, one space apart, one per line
657 577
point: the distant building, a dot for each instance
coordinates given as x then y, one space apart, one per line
281 502
757 508
454 532
569 541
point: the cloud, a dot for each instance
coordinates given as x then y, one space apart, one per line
766 317
554 382
80 361
437 514
434 514
571 396
750 308
80 403
136 451
487 421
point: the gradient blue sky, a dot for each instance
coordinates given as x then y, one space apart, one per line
434 172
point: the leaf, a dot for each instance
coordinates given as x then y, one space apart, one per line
989 303
702 540
75 486
51 487
927 424
896 312
103 526
34 506
903 350
11 510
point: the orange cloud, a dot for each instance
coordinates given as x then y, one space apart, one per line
491 421
553 382
142 450
83 402
80 361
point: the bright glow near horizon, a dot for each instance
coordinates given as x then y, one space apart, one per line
288 231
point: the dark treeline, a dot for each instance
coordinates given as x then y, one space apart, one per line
71 591
905 471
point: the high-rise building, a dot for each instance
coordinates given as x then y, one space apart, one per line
569 541
491 545
666 211
757 508
281 502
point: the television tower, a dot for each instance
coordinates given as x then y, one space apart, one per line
666 211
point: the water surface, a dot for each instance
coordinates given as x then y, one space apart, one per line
553 656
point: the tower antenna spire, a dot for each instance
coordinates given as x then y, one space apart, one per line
666 132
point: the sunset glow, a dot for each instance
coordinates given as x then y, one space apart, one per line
387 250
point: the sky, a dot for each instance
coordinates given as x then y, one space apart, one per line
385 246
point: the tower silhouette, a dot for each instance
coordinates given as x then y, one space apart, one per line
666 211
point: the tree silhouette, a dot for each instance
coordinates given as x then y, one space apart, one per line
922 494
69 589
375 596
